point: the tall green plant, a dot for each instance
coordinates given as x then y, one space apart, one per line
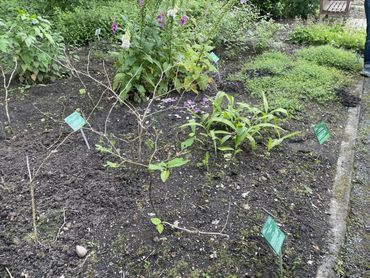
160 53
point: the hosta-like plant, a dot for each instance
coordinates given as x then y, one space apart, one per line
30 40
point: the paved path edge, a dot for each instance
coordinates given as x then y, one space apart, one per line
341 191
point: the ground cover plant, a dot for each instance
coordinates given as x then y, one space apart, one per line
324 33
329 56
290 80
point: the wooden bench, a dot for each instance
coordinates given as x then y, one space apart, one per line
335 8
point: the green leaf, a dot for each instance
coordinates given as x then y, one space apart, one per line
160 228
272 143
155 167
165 175
111 165
219 120
178 85
50 38
226 149
265 103
156 221
177 162
187 143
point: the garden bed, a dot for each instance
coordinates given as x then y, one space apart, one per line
80 202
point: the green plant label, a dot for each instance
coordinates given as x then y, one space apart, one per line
214 57
322 133
273 235
75 121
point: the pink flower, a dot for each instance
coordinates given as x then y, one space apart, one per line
114 26
141 3
183 20
161 18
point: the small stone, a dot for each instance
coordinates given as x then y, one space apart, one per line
12 216
215 222
81 251
245 194
310 262
246 206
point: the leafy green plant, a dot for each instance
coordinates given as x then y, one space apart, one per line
158 224
327 55
262 36
159 54
234 26
164 167
205 161
333 34
30 41
231 124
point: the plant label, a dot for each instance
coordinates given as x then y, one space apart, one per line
273 235
75 121
322 133
214 57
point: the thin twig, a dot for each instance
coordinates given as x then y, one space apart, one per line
61 227
269 213
7 270
227 218
194 231
6 87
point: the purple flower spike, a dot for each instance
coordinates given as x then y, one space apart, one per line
141 3
183 20
161 18
114 26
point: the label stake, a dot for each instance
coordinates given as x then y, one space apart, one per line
83 135
76 122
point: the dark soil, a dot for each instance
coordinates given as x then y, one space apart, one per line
80 202
348 99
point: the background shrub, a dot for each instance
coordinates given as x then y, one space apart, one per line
287 8
29 40
334 34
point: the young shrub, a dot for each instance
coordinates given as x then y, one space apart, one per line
234 26
263 35
329 56
31 41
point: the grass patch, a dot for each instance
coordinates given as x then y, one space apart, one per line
336 35
327 55
291 81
